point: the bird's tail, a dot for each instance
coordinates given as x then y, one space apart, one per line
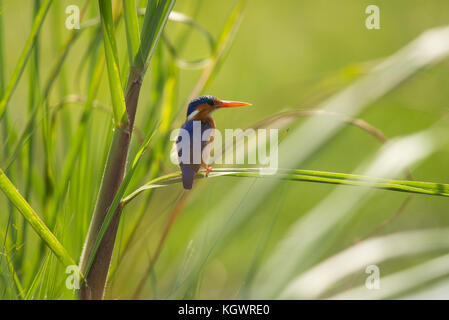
188 173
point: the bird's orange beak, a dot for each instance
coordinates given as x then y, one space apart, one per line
232 104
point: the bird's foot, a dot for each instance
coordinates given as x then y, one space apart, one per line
208 169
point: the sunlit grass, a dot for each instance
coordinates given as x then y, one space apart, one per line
93 150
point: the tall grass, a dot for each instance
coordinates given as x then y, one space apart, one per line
70 190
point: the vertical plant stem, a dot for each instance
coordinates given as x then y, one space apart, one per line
33 98
93 287
6 127
154 21
114 171
166 116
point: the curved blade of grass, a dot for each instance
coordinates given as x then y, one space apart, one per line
286 117
279 120
33 219
195 64
18 70
426 188
96 105
183 18
77 99
390 73
132 31
339 207
314 282
399 282
432 291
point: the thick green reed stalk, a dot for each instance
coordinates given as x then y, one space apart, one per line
124 104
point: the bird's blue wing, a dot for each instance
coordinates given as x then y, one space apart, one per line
191 168
188 126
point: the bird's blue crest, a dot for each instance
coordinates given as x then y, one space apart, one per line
198 101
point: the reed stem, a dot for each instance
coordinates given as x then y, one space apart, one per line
93 287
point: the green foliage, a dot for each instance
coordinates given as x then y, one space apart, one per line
238 233
33 219
112 61
154 21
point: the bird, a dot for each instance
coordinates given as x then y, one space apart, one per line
199 114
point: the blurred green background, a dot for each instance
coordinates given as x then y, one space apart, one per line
287 54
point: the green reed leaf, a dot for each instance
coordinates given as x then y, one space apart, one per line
34 220
427 188
112 62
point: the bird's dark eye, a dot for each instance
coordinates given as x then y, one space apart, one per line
211 102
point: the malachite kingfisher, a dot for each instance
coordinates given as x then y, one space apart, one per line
199 118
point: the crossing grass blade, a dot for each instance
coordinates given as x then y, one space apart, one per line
402 282
33 219
335 268
419 187
136 57
187 64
